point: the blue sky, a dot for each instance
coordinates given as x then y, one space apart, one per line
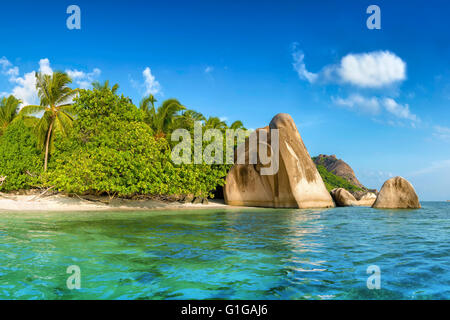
379 99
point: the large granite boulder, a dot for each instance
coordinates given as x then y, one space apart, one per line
296 184
343 198
397 193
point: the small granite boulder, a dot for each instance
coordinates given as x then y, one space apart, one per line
343 198
397 193
367 200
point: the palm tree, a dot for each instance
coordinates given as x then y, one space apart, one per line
161 120
188 118
215 123
148 106
237 125
105 86
56 106
8 111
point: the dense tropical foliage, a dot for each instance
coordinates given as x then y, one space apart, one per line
20 158
98 142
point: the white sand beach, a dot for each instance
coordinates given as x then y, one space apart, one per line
56 203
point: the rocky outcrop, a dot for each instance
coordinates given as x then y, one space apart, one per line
343 198
296 184
339 168
367 200
397 193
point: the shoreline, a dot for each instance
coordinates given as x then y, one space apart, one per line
63 203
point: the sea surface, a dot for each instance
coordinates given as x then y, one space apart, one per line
228 254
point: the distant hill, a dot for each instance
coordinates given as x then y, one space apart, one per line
337 174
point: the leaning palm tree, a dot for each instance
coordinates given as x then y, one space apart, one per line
105 86
161 120
56 108
8 111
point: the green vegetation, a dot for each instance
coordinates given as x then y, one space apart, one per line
97 142
8 111
20 159
332 181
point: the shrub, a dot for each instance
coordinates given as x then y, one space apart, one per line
20 160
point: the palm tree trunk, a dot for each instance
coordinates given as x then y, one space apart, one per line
47 143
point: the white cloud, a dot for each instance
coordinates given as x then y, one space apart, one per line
300 67
442 133
8 69
372 70
374 105
399 110
25 89
4 63
75 74
12 72
82 79
367 70
25 86
44 67
359 103
150 84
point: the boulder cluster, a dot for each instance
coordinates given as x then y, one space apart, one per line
297 182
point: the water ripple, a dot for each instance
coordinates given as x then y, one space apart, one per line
250 254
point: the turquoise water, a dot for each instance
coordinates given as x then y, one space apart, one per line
227 254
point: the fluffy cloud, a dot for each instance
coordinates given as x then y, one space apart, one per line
25 87
366 70
360 103
372 70
150 84
375 105
82 79
44 67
